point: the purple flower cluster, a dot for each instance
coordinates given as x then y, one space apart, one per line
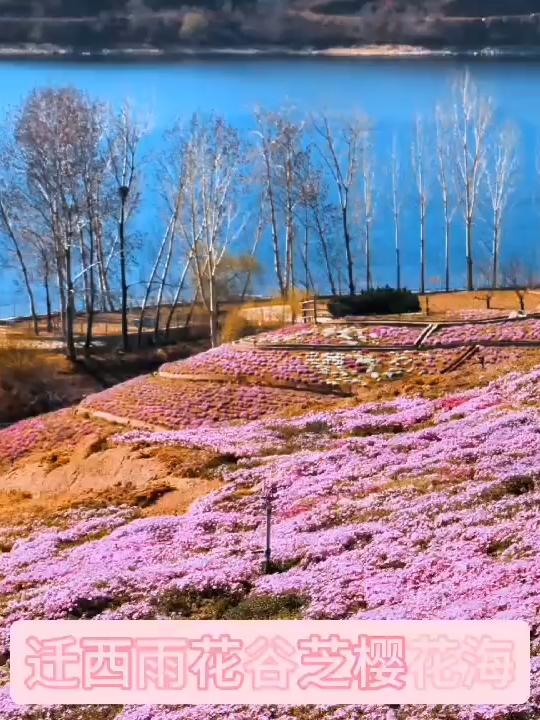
233 362
58 431
284 335
511 330
483 314
511 357
176 404
412 509
261 437
283 712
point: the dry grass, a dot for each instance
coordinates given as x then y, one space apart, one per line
21 506
35 380
185 462
236 326
27 381
17 361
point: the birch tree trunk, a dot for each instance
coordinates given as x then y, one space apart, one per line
22 264
420 171
501 174
342 161
396 208
472 116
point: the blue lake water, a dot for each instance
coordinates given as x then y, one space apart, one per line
391 92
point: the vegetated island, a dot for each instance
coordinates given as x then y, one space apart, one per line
144 29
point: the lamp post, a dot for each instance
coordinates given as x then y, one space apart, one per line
268 496
268 548
123 192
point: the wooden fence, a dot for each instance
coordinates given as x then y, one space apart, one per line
316 311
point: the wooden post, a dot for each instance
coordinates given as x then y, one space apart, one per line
268 550
268 495
315 309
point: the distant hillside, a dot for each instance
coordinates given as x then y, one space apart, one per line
89 25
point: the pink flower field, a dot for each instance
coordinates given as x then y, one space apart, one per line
407 509
233 362
484 314
515 357
311 368
177 404
59 431
513 330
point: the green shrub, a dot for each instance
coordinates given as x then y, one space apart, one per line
207 605
380 301
267 607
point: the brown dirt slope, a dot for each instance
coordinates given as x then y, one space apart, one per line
156 480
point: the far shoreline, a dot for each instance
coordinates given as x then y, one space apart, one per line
368 52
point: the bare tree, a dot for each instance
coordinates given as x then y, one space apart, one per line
173 181
126 133
319 217
95 200
45 271
472 115
265 137
420 169
311 209
280 138
339 144
14 245
167 241
307 190
483 273
253 265
176 298
56 136
445 177
520 277
502 167
210 220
